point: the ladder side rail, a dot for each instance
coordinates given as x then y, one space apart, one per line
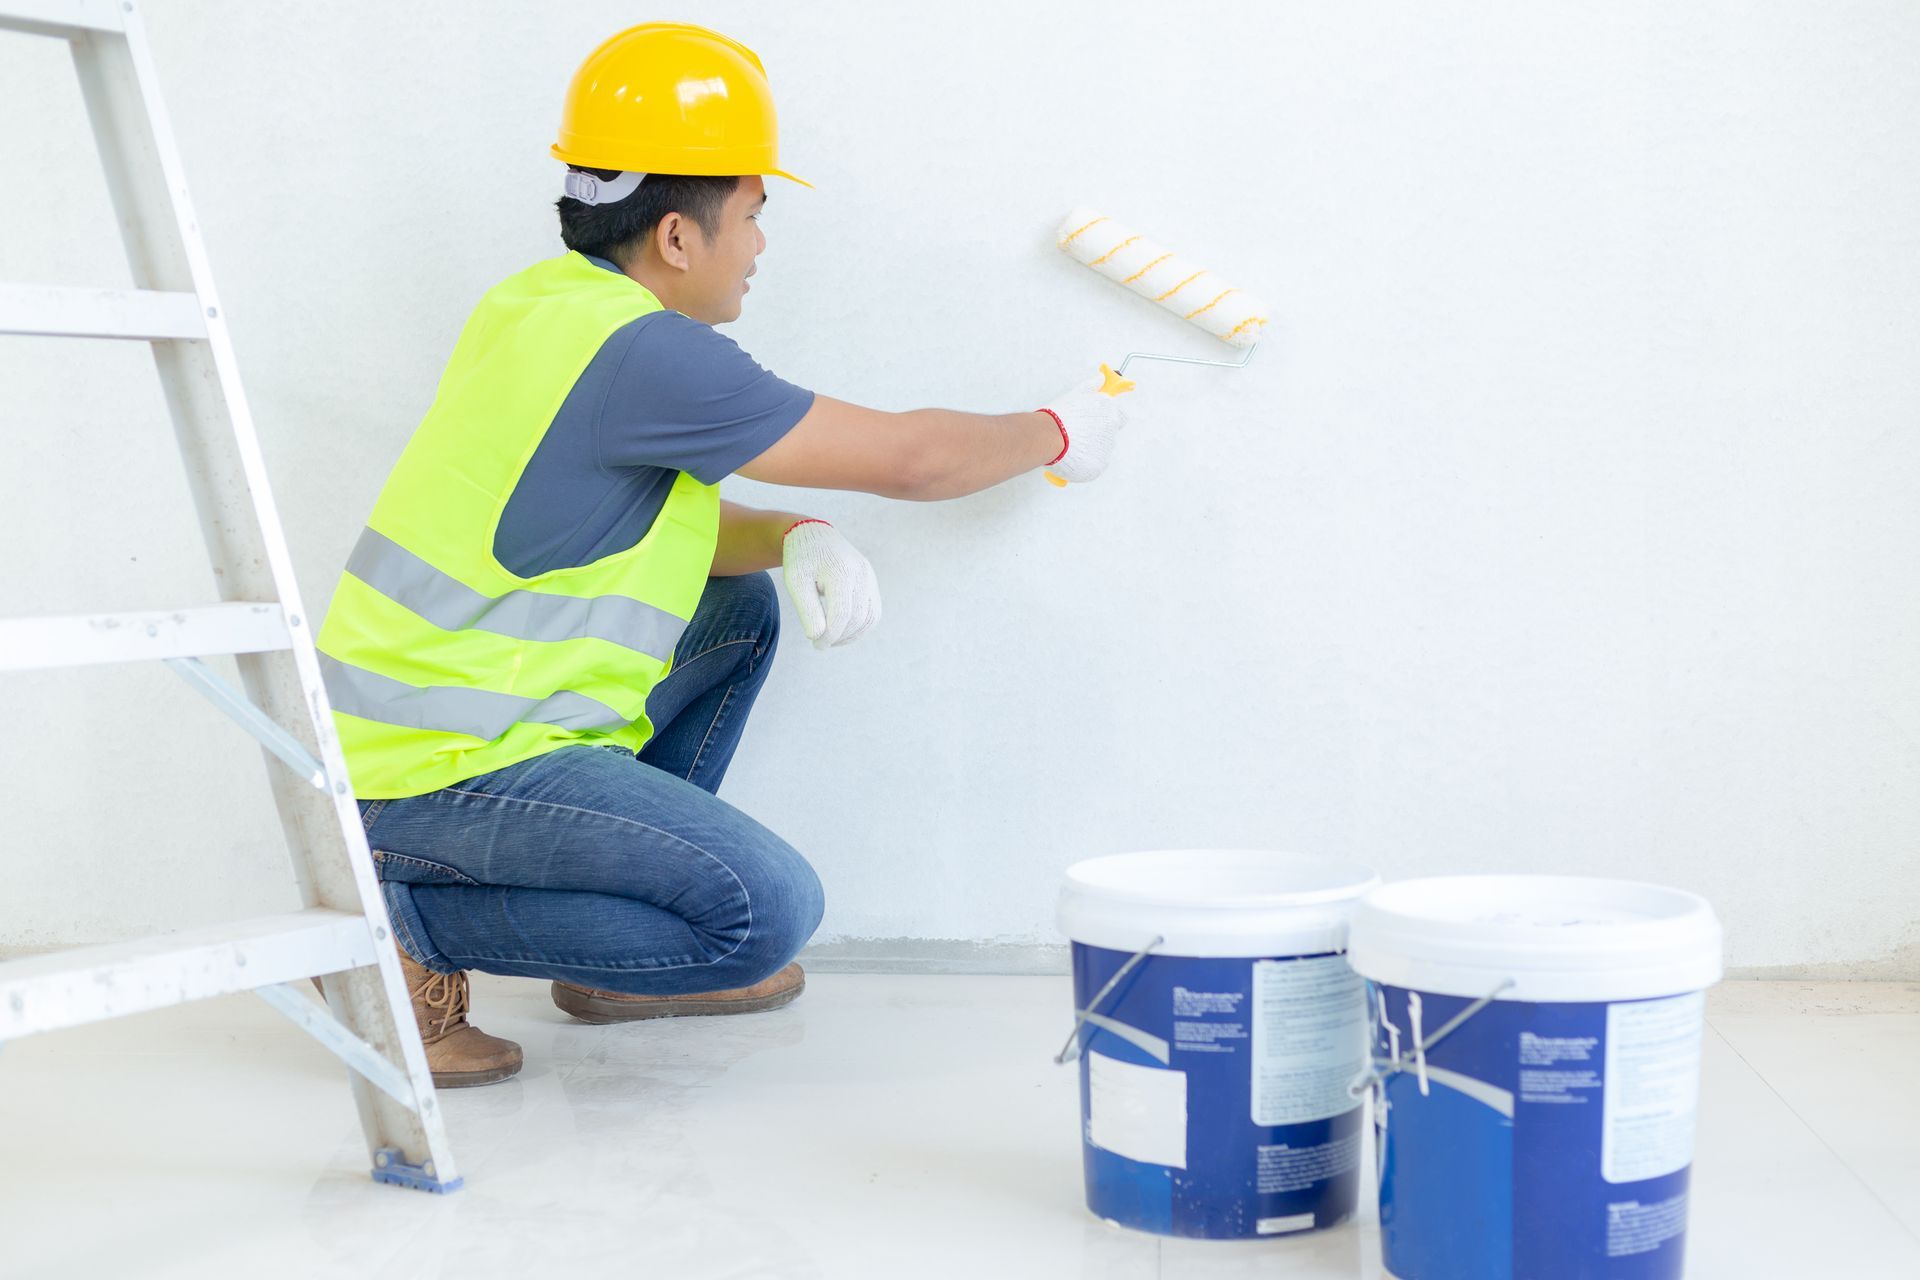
225 471
239 523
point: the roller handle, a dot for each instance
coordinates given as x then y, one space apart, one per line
1111 384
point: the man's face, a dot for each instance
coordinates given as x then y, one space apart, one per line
718 266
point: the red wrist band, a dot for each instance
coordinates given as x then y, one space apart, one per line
1065 443
797 523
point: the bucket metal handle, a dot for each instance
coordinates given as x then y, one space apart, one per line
1381 1068
1071 1049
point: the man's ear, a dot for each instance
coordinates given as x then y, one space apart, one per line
671 235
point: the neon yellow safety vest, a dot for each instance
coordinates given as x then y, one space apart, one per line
440 663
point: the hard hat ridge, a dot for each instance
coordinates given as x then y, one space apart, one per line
668 97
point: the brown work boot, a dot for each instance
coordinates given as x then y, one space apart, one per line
590 1005
459 1054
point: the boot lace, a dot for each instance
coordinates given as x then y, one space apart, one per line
444 994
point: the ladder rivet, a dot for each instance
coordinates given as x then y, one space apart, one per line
293 619
212 311
340 788
379 934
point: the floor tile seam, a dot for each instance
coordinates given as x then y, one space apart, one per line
1815 1015
1727 1039
470 1173
1873 1193
408 1237
525 1117
600 1039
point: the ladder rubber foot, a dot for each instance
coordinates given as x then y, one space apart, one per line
390 1166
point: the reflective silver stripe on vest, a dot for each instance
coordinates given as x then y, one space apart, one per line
478 713
452 605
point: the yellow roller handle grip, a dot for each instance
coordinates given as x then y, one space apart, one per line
1111 384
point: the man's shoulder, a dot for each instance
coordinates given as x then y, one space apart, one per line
667 343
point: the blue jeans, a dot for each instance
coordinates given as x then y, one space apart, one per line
596 866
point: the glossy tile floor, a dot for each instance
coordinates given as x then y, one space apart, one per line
880 1127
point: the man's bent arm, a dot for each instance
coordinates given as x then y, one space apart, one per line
750 539
923 454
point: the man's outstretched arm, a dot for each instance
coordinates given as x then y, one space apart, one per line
925 455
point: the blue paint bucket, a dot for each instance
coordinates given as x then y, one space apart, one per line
1536 1064
1219 1031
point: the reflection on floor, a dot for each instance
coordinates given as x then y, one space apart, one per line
909 1127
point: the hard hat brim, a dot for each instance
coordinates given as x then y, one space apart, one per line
628 161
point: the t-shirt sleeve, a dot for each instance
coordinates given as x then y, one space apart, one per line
686 397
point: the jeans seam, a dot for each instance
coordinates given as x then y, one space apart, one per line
412 947
372 814
724 644
719 713
465 881
599 813
601 968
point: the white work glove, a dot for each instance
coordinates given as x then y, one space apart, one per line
832 586
1091 421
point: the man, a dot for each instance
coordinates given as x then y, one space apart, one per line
548 638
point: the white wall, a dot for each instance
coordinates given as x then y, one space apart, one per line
1567 524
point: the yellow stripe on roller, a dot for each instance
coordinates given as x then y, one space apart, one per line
1150 266
1183 284
1229 334
1109 253
1191 314
1076 235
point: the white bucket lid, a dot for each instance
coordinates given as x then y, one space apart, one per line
1559 938
1213 902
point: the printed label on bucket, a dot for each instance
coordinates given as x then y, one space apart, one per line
1653 1082
1535 1139
1180 1063
1309 1034
1137 1112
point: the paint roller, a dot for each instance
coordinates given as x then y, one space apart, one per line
1191 291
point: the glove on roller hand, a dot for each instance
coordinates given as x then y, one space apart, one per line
1090 420
832 586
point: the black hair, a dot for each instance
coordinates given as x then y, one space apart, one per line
614 231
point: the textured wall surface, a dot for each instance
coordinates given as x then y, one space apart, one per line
1567 522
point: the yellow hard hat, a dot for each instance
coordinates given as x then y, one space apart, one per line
668 97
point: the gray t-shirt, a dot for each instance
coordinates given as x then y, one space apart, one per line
664 394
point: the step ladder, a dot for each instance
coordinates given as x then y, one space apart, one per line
342 934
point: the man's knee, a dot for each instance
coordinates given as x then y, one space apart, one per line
747 605
785 919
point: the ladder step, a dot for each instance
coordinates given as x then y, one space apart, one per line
58 311
60 17
88 639
87 984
